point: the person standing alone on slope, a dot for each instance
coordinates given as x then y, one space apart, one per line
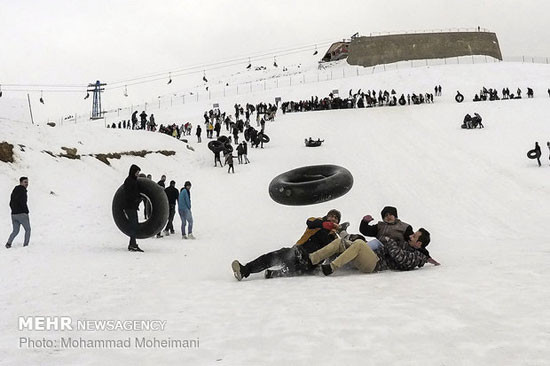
19 212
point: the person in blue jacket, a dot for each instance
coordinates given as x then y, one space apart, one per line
184 209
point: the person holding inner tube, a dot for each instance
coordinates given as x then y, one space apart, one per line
537 151
294 260
392 227
132 199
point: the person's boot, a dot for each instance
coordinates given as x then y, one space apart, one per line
134 248
159 235
327 269
8 245
239 271
190 236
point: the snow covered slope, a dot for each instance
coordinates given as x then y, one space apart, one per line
483 201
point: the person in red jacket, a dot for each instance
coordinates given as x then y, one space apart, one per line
294 260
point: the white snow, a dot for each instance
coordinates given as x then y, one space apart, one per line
483 201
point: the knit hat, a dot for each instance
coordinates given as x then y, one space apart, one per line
336 213
389 210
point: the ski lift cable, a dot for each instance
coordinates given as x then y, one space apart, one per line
110 86
237 59
207 66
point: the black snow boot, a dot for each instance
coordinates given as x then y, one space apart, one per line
134 248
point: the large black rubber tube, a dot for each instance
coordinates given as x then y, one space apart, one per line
265 138
223 139
216 146
159 213
310 185
227 148
459 98
533 154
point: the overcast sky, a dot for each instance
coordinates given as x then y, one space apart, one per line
77 42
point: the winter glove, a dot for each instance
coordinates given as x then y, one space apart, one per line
367 218
329 225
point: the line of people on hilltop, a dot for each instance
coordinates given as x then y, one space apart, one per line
492 94
150 125
360 99
326 246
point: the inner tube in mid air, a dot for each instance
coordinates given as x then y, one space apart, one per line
310 185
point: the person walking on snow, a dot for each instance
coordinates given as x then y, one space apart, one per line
229 161
184 210
172 194
19 212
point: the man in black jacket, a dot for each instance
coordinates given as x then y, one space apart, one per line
20 212
173 194
294 261
132 198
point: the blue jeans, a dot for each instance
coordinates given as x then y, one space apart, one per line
17 220
186 217
375 244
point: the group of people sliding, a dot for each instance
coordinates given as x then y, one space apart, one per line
395 246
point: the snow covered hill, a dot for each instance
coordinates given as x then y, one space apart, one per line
474 190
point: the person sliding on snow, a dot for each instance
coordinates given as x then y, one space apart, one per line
391 227
294 260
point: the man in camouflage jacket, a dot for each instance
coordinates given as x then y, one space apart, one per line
391 255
